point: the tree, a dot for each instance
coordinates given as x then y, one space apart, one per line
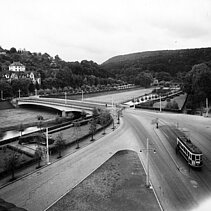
77 131
13 50
144 79
198 85
11 163
175 105
163 76
171 104
104 119
31 88
95 112
21 129
21 84
60 144
119 113
83 114
93 127
6 89
38 155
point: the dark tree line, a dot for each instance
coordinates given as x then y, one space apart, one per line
173 63
54 72
198 85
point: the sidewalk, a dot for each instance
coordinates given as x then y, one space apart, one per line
53 158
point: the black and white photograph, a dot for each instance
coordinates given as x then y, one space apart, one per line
105 105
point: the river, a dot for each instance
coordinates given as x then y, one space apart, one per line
16 116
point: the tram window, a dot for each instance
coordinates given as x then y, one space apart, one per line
197 157
193 157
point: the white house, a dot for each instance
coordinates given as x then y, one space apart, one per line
17 67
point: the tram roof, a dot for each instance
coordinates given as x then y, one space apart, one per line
187 142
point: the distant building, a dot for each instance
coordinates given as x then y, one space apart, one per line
155 82
17 71
17 67
2 51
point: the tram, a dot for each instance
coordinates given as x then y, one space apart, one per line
189 151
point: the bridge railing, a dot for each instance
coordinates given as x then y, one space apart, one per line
62 104
92 104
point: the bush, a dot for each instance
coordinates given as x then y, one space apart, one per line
40 91
40 117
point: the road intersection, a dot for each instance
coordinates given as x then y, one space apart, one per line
175 189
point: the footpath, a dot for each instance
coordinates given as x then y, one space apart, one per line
38 190
19 174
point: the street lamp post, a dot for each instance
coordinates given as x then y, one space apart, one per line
147 175
160 103
35 92
2 94
134 106
19 93
65 98
207 107
47 148
82 95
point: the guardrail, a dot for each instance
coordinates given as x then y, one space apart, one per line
41 102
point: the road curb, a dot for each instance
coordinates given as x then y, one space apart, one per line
45 166
83 178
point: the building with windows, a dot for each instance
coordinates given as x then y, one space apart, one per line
18 71
17 67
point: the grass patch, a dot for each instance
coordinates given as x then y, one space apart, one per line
6 152
119 184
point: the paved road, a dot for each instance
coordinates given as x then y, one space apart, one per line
41 189
176 188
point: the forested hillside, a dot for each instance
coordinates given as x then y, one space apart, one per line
56 74
54 71
173 62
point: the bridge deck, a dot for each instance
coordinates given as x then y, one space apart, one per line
61 104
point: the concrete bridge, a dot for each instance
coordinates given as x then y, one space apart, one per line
63 105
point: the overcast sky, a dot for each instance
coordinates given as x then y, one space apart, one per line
99 29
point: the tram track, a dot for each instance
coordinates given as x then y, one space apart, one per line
175 132
173 177
197 179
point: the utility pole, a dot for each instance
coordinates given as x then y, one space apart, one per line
147 165
19 91
2 94
147 177
65 98
207 106
82 95
47 150
160 103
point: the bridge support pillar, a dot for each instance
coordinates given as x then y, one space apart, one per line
64 113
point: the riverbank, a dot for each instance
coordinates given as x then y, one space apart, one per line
84 139
6 104
10 119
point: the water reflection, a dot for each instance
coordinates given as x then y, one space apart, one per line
15 133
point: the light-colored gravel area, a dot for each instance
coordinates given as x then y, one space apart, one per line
120 97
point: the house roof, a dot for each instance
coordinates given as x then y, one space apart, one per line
17 64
